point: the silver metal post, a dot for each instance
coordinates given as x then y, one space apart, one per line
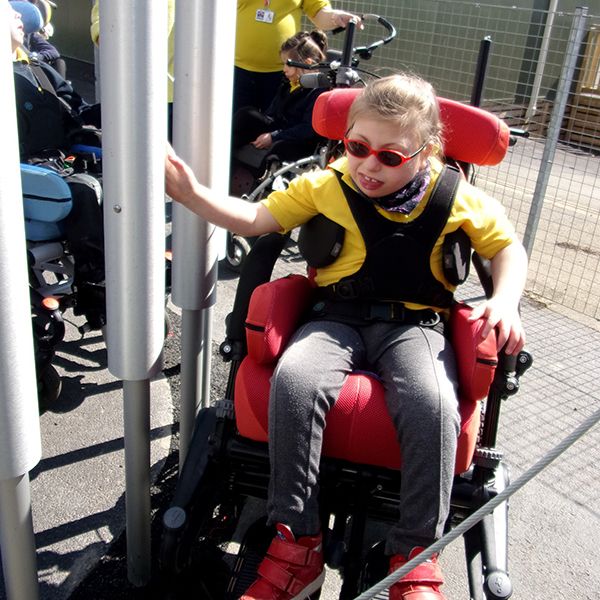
17 540
133 62
191 366
136 414
20 441
203 87
560 103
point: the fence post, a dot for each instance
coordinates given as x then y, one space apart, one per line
201 132
133 62
558 113
20 442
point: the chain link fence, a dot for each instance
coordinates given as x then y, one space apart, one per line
542 77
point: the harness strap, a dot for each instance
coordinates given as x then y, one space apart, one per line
368 311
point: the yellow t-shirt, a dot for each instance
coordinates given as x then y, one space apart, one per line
481 217
257 43
95 34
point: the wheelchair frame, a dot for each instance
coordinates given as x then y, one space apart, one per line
223 469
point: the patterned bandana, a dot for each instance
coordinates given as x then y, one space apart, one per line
406 198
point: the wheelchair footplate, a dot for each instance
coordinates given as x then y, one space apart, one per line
252 550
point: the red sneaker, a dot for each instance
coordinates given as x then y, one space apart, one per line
422 583
291 570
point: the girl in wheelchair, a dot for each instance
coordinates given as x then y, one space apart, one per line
284 129
382 301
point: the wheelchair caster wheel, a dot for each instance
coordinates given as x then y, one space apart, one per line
49 386
237 251
498 586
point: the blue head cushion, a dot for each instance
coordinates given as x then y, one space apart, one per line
30 15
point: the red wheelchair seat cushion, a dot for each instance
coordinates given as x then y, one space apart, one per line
359 428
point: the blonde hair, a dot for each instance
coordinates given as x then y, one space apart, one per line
404 99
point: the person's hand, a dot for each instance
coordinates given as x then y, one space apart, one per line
263 141
341 18
505 318
180 182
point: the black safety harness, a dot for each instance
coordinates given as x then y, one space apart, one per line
397 261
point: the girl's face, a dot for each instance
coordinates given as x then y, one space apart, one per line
373 178
17 33
292 73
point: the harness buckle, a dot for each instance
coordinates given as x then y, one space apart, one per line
386 311
346 290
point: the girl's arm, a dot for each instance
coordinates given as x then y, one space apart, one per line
233 214
509 272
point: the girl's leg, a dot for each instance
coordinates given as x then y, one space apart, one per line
417 366
304 387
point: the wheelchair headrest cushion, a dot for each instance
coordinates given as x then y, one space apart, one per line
470 134
31 16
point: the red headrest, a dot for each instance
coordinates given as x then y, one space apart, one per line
471 134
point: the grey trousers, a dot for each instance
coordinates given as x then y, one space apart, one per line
417 367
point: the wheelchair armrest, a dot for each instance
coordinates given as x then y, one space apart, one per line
274 312
476 359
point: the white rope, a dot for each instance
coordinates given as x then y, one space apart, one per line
487 508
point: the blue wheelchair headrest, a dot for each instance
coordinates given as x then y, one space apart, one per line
30 15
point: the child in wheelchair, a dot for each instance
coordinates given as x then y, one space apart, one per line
52 119
284 130
381 305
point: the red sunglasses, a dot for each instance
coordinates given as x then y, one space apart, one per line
388 158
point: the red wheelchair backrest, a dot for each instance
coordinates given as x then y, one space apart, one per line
470 134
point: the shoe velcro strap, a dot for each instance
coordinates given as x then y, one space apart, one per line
426 573
277 576
294 553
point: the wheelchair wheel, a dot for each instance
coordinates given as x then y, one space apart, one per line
238 248
49 386
375 567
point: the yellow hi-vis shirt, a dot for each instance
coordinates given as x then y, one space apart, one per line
257 43
95 35
481 217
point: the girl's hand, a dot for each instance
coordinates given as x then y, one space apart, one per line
263 141
503 316
180 182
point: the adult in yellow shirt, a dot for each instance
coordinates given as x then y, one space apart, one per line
262 26
95 34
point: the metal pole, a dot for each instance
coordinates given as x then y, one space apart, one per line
203 89
133 61
20 441
562 95
137 475
17 540
541 61
485 47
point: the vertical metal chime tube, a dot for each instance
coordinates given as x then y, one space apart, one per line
20 442
203 92
133 62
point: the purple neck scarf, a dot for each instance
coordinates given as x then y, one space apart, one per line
406 198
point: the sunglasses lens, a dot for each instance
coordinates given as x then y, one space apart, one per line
389 159
357 149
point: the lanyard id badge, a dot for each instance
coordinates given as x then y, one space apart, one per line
265 15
